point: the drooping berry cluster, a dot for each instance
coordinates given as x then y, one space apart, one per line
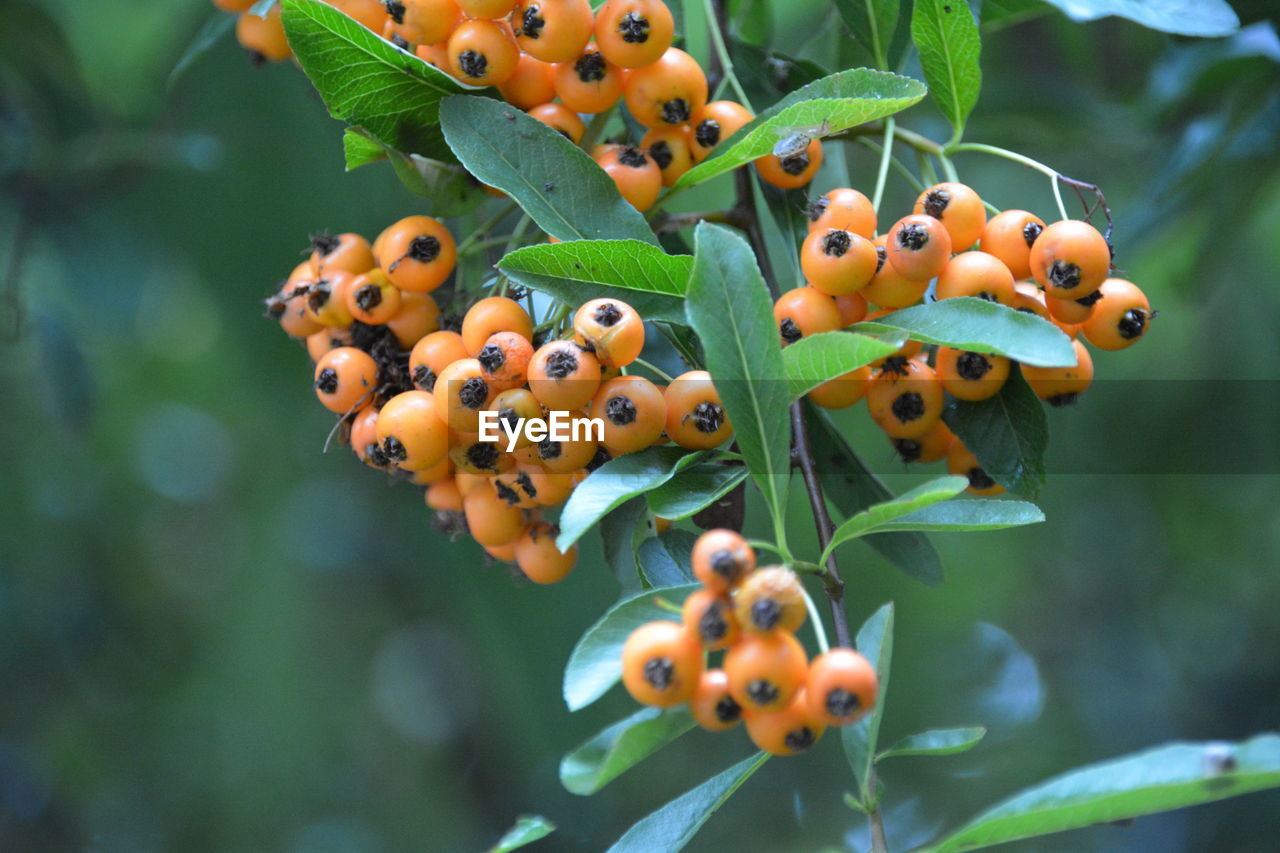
412 396
765 678
1061 272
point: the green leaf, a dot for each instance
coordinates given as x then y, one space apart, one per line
557 184
671 827
528 829
851 487
635 272
730 308
659 566
936 742
947 37
595 664
367 81
817 358
872 23
1183 17
621 533
835 103
875 642
210 32
616 481
694 489
1166 777
879 514
1007 432
968 515
360 149
969 323
620 747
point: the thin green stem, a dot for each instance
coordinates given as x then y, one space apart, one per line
948 168
763 545
722 52
481 245
898 166
488 226
518 234
1054 175
653 369
925 162
815 618
886 155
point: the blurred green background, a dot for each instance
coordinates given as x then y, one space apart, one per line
213 637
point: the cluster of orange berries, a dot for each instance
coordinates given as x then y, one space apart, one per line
1060 272
412 395
558 60
765 679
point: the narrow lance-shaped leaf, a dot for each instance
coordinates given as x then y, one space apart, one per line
936 742
1007 432
815 359
620 747
367 81
528 829
851 487
872 23
616 481
729 307
882 513
210 32
671 827
833 104
977 325
360 149
638 273
947 38
595 664
960 516
875 642
694 489
1164 778
557 184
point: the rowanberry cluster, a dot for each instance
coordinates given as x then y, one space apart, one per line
557 60
765 679
412 395
1060 272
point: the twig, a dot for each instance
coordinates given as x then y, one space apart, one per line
675 221
831 580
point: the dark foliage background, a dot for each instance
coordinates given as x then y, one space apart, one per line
212 637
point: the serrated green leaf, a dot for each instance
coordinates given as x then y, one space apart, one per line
815 359
851 487
620 747
836 103
595 664
969 323
694 489
1164 778
209 34
873 517
671 827
528 829
960 516
553 180
947 38
616 481
1182 17
729 306
936 742
360 149
367 81
872 23
638 273
875 642
1007 432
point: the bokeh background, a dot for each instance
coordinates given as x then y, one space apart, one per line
213 637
